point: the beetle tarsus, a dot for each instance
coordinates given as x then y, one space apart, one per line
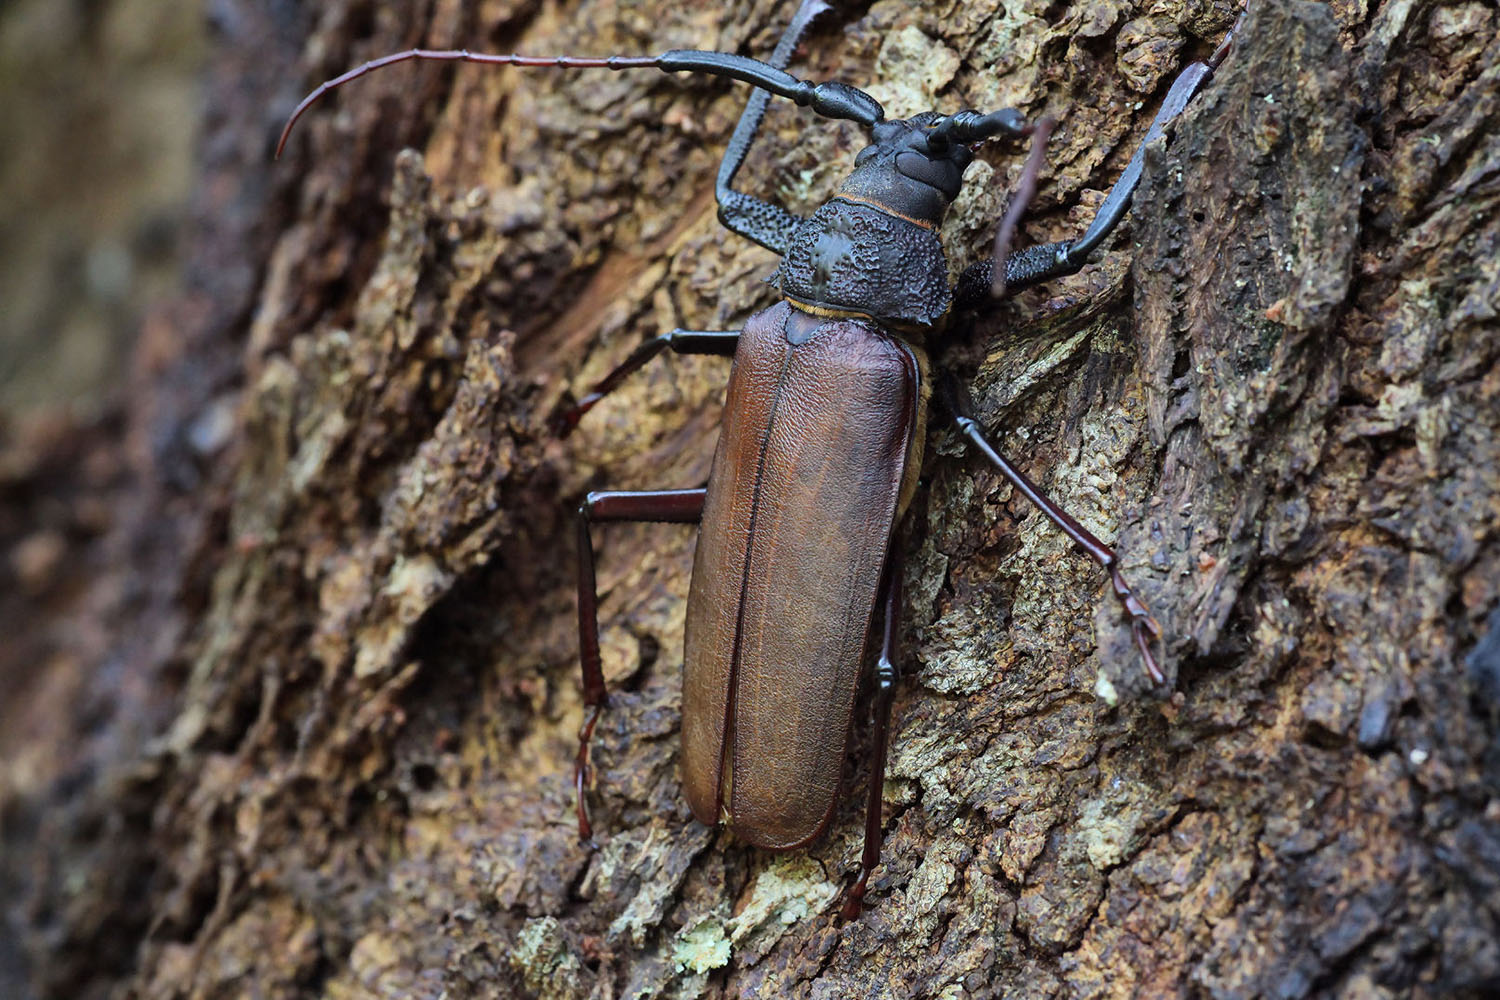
583 775
1143 625
1143 643
886 676
854 900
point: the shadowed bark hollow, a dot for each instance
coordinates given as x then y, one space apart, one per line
309 728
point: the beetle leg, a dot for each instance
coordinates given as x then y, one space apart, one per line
886 675
1021 199
670 506
1046 261
680 341
760 221
1142 625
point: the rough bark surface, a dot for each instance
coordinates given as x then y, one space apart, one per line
308 724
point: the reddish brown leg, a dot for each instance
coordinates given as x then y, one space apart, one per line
672 506
680 341
1021 199
1142 625
886 675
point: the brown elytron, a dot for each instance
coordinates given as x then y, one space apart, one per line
797 521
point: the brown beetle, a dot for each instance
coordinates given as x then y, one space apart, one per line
821 445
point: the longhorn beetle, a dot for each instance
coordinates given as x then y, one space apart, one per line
821 443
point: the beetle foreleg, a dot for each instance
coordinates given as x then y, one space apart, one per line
1036 264
886 675
760 221
680 341
1144 627
669 506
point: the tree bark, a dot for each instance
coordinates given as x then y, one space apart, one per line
329 745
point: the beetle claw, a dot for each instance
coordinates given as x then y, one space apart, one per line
1140 629
1143 624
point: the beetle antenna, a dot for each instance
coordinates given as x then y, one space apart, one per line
1021 200
830 99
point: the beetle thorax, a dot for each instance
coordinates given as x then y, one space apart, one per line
853 259
874 250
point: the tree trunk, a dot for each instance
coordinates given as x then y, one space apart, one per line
330 648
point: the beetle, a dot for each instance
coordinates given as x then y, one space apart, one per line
821 443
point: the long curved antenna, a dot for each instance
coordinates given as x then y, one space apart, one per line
831 99
1021 199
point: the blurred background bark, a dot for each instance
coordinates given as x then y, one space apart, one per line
290 693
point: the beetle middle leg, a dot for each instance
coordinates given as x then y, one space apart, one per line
717 342
1142 625
663 506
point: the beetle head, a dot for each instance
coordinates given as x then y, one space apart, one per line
914 167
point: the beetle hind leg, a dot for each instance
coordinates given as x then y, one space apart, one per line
886 675
1143 626
665 506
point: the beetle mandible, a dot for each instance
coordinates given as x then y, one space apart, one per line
821 442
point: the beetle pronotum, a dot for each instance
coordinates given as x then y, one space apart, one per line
821 443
